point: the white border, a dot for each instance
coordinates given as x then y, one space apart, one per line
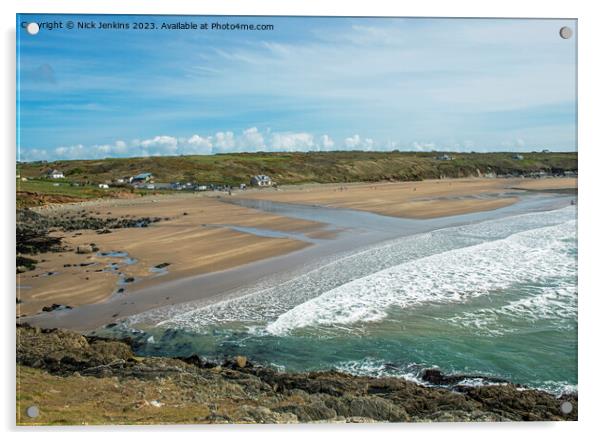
590 161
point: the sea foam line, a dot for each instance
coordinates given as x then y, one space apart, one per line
265 301
535 255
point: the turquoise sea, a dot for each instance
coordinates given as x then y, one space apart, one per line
496 297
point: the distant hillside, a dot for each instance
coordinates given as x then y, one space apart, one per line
319 167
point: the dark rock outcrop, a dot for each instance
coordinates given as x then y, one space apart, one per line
237 392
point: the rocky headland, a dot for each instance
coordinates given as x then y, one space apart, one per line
75 379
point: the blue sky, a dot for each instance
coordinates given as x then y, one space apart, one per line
309 84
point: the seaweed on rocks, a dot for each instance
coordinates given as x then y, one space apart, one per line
33 231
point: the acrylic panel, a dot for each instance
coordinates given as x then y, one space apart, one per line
280 219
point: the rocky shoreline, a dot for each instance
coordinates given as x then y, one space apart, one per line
33 232
75 379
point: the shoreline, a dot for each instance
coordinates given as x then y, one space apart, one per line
228 284
52 364
331 239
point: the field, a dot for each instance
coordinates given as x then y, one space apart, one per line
36 192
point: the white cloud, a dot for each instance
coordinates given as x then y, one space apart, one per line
119 148
224 141
353 142
159 145
71 152
423 146
31 154
356 142
292 141
251 140
196 145
325 143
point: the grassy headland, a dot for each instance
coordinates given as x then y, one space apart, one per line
83 176
318 167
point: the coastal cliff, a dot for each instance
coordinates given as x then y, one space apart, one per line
74 379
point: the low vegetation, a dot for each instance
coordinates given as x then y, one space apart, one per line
291 168
74 380
38 192
82 177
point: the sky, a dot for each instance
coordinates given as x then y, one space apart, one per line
308 84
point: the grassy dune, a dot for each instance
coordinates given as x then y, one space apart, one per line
284 168
291 168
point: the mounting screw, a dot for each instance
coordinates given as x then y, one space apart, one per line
566 407
566 32
33 412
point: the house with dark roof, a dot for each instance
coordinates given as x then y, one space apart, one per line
141 178
55 174
261 180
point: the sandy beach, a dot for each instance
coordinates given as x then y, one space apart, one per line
202 233
425 199
194 240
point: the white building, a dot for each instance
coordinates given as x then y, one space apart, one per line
103 186
261 180
55 174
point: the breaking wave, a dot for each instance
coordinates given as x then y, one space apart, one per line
272 300
539 255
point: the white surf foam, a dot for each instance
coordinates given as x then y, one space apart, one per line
265 301
536 255
373 367
555 303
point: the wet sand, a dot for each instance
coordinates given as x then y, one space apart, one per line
214 247
420 200
198 238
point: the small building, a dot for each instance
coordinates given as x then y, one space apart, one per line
55 174
517 157
444 157
545 151
103 186
261 180
141 178
201 188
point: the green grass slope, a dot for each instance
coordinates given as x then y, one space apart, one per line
291 168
